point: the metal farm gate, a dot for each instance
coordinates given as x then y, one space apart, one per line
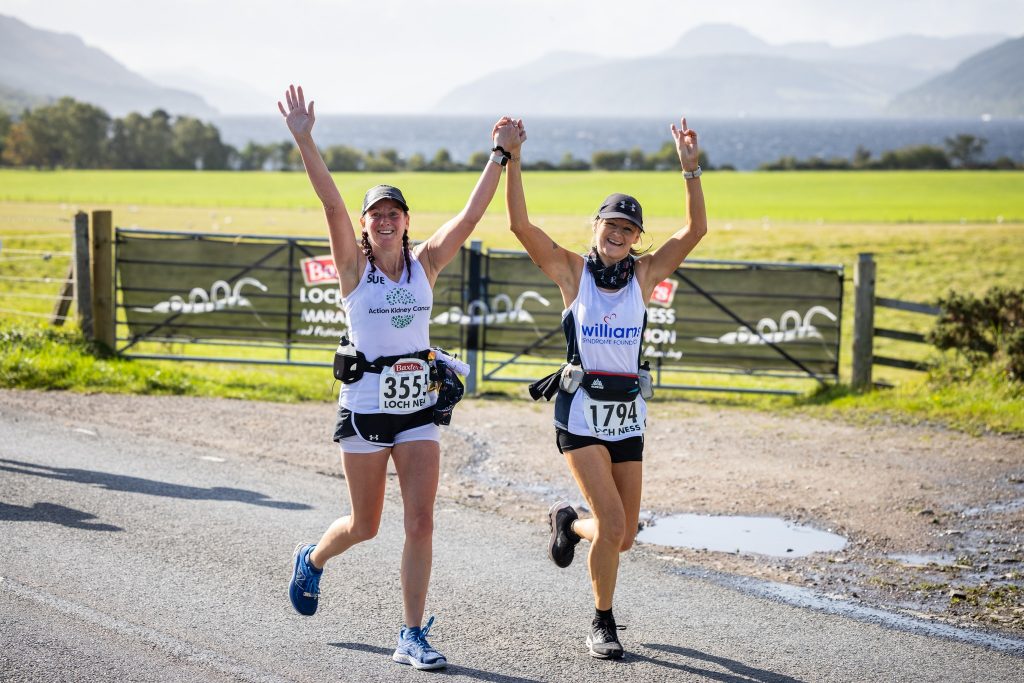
275 300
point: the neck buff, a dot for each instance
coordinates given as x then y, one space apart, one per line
615 276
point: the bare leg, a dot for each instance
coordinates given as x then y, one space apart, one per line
629 481
366 475
418 465
591 466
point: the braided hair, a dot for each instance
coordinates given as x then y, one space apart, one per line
368 253
408 259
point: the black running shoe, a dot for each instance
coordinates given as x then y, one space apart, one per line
562 546
603 641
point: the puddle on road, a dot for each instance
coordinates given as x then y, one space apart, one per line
728 534
911 559
994 508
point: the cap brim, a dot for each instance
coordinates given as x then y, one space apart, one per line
617 214
380 199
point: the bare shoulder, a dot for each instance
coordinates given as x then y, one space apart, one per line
645 276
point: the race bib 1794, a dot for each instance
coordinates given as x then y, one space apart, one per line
613 418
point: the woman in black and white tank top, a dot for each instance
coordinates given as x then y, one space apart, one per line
600 414
386 288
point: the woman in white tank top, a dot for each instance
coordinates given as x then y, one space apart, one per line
599 432
386 289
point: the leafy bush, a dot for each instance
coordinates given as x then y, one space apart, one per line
985 329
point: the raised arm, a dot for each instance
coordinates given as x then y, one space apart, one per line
344 250
559 264
438 251
654 267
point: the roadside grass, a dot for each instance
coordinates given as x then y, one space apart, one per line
985 402
916 261
47 358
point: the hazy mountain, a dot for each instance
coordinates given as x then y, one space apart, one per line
990 82
13 100
725 85
924 53
708 40
225 93
47 65
719 70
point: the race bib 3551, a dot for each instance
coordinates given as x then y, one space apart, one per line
404 386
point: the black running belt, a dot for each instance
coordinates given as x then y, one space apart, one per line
379 364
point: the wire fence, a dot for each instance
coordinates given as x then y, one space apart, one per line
36 274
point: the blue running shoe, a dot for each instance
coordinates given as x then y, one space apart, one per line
414 649
304 588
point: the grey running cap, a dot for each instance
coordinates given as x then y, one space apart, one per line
379 192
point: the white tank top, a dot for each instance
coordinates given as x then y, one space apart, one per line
609 330
385 318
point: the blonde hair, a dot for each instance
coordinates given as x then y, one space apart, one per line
632 250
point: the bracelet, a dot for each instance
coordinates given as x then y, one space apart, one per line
695 173
501 150
500 159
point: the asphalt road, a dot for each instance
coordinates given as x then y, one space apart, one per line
124 557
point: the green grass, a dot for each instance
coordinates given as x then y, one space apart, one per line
835 197
985 402
35 357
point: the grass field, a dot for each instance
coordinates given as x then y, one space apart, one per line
833 197
967 233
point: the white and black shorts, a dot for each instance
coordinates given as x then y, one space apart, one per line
371 432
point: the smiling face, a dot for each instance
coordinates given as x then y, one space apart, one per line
385 222
614 237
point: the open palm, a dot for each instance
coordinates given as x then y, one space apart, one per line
300 120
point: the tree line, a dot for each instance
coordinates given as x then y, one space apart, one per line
961 151
73 134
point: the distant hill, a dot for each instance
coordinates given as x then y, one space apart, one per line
43 65
991 82
921 53
13 101
227 94
720 70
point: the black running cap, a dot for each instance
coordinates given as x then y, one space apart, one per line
620 205
379 192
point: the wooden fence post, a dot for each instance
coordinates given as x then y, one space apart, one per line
863 321
103 278
63 303
83 278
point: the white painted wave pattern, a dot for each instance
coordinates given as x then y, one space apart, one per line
220 297
790 327
501 310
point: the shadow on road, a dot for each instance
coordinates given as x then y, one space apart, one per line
451 670
741 673
120 482
51 512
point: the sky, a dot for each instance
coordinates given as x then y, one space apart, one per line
401 56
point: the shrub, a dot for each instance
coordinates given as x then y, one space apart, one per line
985 329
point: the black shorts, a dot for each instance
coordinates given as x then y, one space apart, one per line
626 450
